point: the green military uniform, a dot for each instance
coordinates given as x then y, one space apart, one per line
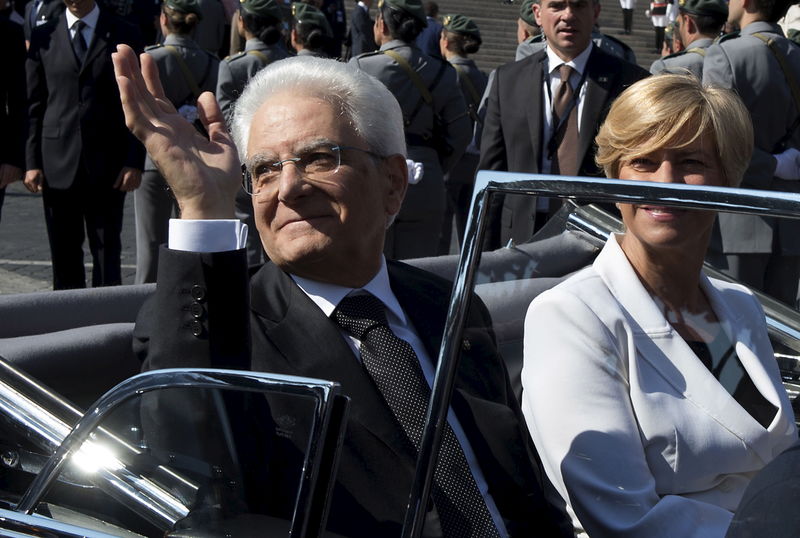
185 70
745 63
306 14
693 56
416 229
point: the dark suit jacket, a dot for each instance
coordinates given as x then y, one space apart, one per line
12 94
290 335
513 140
47 14
75 111
361 36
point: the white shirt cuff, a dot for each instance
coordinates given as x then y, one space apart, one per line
207 235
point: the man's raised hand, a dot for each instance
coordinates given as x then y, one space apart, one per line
203 173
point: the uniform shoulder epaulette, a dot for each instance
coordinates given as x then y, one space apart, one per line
727 37
674 55
153 47
233 57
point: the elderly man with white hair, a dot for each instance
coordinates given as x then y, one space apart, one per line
324 154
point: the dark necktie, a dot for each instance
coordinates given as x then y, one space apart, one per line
394 367
78 42
566 133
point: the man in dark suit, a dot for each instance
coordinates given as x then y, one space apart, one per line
80 154
361 38
521 131
39 13
324 188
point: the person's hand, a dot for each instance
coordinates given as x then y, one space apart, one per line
128 179
9 174
788 166
204 174
34 179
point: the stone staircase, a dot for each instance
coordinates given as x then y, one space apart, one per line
498 24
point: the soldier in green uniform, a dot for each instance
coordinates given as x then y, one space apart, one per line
763 67
460 38
435 117
186 70
699 22
529 34
311 32
259 23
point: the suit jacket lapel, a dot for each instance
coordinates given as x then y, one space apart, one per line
313 346
532 89
100 40
64 43
668 354
598 81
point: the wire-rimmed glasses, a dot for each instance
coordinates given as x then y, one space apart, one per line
315 163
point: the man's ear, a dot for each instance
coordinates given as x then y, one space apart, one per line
537 8
397 177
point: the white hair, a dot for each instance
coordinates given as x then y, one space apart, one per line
362 100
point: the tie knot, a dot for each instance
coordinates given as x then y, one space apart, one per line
565 71
79 25
357 314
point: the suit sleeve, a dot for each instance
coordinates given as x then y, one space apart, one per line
12 126
491 140
577 406
37 101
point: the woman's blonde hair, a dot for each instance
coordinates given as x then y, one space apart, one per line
672 111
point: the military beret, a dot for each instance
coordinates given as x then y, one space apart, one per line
461 25
264 8
306 13
526 12
185 6
711 8
412 7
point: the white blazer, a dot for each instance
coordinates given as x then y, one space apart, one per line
635 433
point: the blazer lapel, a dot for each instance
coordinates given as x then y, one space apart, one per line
533 90
667 353
313 346
598 82
64 43
100 41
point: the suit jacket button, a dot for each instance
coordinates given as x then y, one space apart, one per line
197 328
198 293
466 345
197 310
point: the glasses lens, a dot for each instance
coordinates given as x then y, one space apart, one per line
319 162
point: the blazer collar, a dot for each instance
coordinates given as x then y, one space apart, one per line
667 353
100 41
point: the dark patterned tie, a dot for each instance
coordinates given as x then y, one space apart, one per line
394 367
566 161
78 42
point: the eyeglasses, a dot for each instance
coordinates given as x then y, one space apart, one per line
315 163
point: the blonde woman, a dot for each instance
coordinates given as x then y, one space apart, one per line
650 390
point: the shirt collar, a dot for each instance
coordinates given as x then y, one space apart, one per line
328 296
578 63
90 19
363 6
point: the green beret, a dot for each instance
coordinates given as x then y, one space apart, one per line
264 8
412 7
461 25
184 6
308 14
526 12
711 8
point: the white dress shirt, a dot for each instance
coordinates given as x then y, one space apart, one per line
90 21
223 235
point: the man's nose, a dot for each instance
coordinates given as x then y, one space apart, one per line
291 182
